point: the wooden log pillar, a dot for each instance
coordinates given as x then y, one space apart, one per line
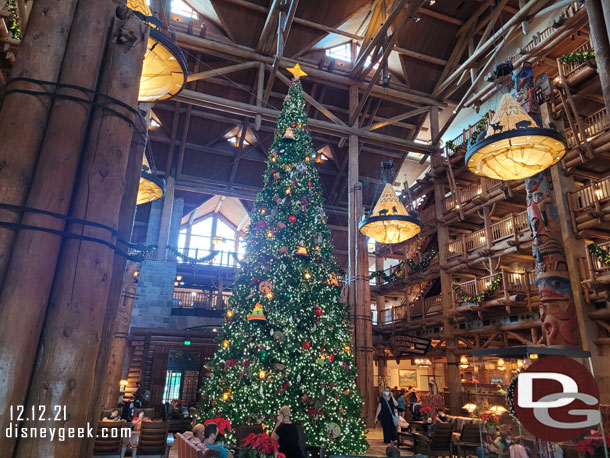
358 286
65 367
382 375
31 269
123 283
40 57
601 43
454 382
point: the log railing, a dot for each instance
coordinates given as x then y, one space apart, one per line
390 270
570 69
418 310
510 227
589 203
595 124
207 300
427 215
199 255
596 268
510 283
467 194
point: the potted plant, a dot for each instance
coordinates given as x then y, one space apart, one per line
260 446
490 421
592 445
426 413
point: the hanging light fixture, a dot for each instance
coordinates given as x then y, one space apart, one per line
151 188
501 365
464 364
390 222
514 147
423 362
164 69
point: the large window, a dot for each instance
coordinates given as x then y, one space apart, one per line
211 234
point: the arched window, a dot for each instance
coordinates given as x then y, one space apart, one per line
212 233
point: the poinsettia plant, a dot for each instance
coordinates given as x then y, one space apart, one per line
223 424
426 412
260 445
489 419
592 445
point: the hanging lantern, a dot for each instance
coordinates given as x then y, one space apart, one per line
257 313
390 222
513 146
464 362
318 159
164 69
151 188
500 365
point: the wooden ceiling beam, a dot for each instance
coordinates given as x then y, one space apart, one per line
269 26
365 51
337 130
441 16
398 118
220 71
407 97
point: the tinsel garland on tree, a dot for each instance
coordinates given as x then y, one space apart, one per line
578 57
599 253
400 267
481 297
287 339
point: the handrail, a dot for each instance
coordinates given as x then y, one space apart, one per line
207 300
420 309
570 69
198 256
586 197
510 282
595 265
510 226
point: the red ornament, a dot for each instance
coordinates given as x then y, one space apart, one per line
261 224
318 311
306 345
246 363
293 125
331 357
292 219
310 184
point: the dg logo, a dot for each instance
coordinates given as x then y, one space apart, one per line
557 399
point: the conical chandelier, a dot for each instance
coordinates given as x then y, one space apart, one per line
390 222
514 147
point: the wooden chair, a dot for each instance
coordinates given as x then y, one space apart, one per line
109 441
438 444
187 449
153 440
469 440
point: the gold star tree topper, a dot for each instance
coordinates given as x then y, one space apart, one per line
297 72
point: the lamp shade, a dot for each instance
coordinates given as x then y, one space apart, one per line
513 147
151 188
164 69
390 222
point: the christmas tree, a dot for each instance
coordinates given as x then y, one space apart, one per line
286 339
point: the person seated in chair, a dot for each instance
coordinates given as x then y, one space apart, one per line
287 434
114 416
210 433
441 416
141 418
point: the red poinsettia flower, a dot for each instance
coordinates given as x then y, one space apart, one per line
223 424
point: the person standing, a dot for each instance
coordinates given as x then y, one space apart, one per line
387 409
286 434
402 403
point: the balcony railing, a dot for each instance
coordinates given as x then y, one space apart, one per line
570 69
594 124
465 195
512 226
510 283
421 309
202 256
594 267
589 204
207 300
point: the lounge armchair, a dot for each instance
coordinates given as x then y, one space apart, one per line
469 440
108 443
438 444
153 440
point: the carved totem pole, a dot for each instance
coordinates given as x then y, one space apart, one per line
557 310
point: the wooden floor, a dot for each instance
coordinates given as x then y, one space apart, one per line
376 445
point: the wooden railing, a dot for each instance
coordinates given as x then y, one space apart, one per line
594 124
570 69
595 267
463 140
420 309
465 195
510 283
208 300
589 197
512 226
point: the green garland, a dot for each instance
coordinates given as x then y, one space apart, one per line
481 297
138 252
479 127
14 26
599 253
579 57
186 258
400 267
